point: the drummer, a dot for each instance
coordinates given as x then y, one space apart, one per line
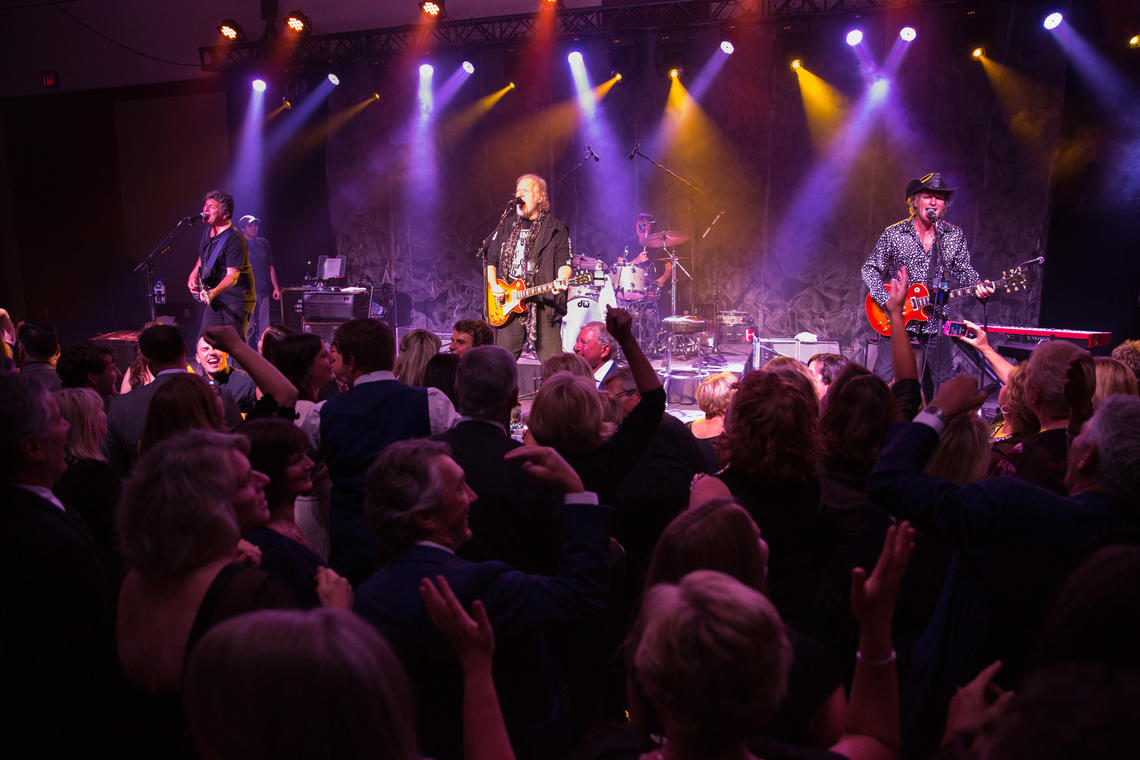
658 266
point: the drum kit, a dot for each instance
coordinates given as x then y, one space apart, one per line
624 284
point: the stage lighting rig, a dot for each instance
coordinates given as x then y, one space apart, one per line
907 34
1053 20
231 30
1134 41
854 37
797 64
298 23
432 8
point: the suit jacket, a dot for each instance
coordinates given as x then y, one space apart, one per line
515 520
44 373
521 608
1015 543
58 640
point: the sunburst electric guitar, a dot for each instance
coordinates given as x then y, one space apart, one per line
501 309
918 297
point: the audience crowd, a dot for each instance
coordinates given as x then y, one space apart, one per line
358 549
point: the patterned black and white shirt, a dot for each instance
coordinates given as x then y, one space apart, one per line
900 246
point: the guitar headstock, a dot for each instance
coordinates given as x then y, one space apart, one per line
1012 280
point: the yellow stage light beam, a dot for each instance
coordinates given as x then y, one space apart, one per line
315 135
459 124
1019 98
825 107
603 89
534 138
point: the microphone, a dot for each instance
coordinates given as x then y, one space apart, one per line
930 214
590 152
635 151
516 201
191 219
1038 260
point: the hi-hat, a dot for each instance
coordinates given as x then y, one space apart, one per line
664 239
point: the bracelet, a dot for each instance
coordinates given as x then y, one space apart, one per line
875 663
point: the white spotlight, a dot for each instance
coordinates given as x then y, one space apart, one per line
334 79
907 33
727 47
575 58
854 37
469 67
1053 20
259 85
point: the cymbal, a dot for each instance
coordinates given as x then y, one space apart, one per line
665 238
585 262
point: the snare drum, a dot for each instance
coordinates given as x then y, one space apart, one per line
632 283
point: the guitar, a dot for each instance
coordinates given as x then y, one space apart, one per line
500 310
918 297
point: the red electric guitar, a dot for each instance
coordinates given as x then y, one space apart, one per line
500 310
918 296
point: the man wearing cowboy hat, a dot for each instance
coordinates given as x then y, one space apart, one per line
931 249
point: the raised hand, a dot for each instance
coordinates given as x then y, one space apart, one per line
897 297
619 324
333 590
471 636
547 465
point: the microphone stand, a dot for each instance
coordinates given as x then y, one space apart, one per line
693 216
482 253
574 168
716 352
163 246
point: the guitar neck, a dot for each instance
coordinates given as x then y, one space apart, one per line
537 290
958 293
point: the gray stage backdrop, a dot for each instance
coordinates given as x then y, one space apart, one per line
800 213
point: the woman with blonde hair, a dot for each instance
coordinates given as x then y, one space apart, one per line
89 486
416 350
713 396
1112 376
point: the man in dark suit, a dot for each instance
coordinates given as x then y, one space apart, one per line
165 352
1014 542
58 639
514 519
356 425
418 501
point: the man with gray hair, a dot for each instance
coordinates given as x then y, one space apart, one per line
600 350
514 519
418 502
59 640
1015 542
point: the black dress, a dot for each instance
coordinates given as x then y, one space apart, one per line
290 562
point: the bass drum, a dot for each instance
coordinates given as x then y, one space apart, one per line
585 303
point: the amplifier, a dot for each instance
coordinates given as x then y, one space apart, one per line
323 330
292 304
339 306
764 349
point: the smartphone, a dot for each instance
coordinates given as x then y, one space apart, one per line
958 330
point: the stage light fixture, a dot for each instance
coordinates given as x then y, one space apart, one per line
1053 20
426 70
1134 41
231 30
375 96
907 34
797 64
575 58
258 85
286 104
432 8
510 85
616 75
978 53
298 23
674 73
334 79
854 37
469 67
727 47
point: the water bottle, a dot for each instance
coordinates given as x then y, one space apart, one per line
159 292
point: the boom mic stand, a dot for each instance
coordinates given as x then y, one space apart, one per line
163 246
